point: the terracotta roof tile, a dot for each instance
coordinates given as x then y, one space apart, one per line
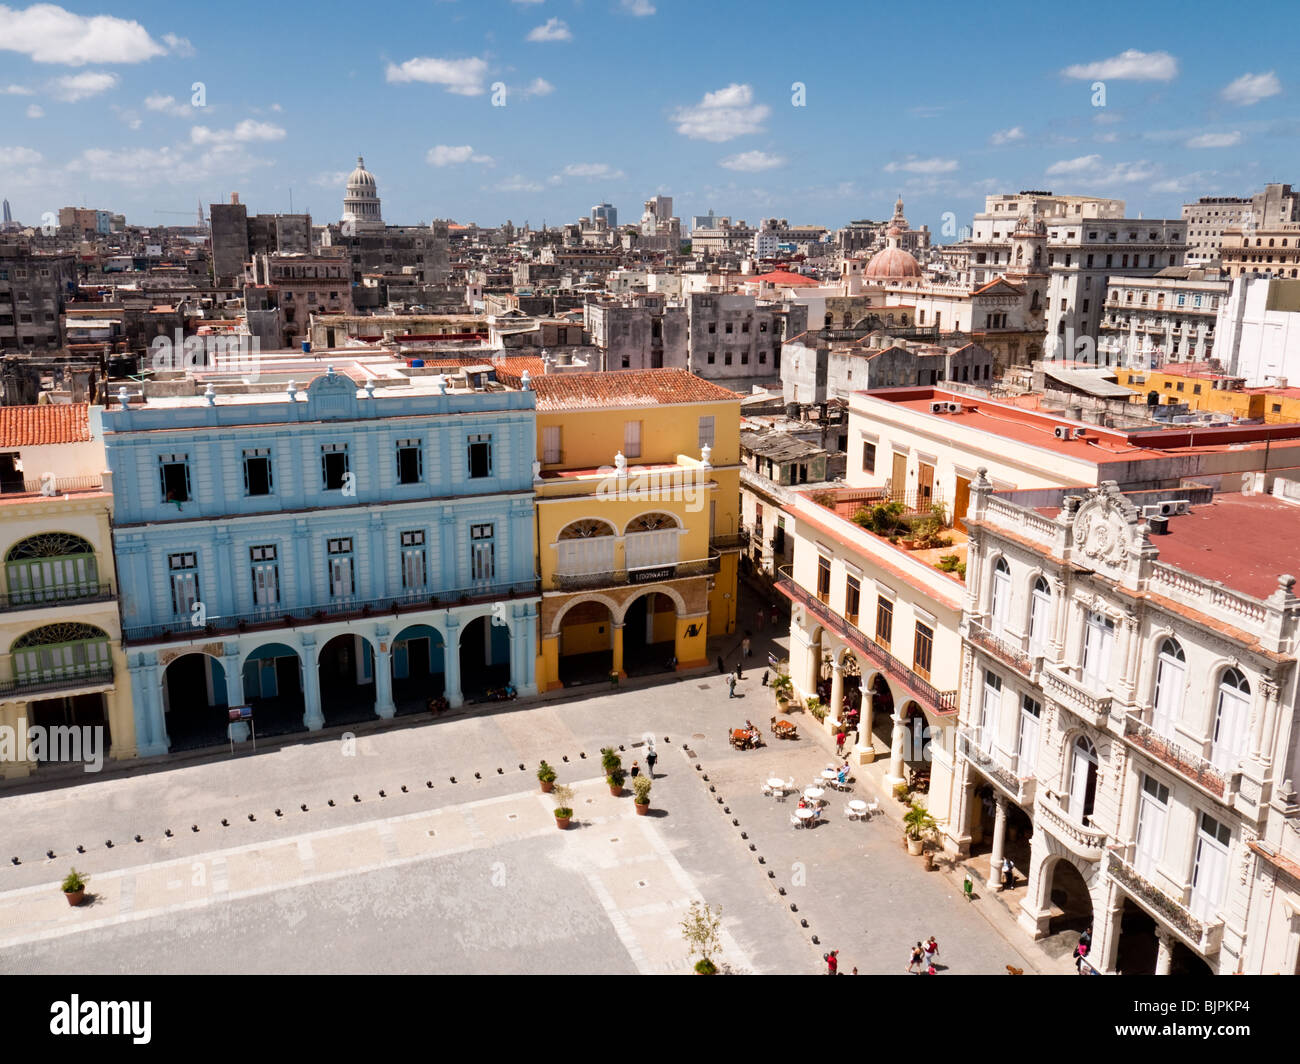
33 426
625 388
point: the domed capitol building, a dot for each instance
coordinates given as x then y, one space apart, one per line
361 210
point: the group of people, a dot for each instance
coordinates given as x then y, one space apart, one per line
924 954
816 808
1081 950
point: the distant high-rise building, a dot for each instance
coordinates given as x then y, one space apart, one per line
8 217
608 212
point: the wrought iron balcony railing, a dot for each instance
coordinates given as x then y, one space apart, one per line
56 595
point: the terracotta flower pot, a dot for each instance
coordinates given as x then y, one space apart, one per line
617 792
562 822
915 846
75 897
547 786
642 810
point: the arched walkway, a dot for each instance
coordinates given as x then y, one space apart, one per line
649 634
273 687
1068 897
195 701
347 679
419 668
881 724
484 658
586 643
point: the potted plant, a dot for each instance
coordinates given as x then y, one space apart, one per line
919 825
563 808
615 780
700 929
783 687
74 887
546 775
609 759
900 791
641 789
815 707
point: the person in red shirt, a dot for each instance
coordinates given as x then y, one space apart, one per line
832 962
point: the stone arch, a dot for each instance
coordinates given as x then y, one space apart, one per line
604 600
195 695
48 544
1053 894
620 614
587 528
345 667
57 633
653 521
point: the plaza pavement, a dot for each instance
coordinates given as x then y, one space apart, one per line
473 876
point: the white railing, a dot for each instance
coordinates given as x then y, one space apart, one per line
1207 595
1042 528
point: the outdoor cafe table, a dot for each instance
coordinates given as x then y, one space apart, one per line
858 805
829 774
776 784
805 814
813 793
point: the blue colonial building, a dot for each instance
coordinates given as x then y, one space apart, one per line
323 554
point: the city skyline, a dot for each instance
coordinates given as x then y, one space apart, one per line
141 110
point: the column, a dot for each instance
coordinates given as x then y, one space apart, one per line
897 746
312 717
523 654
383 666
234 677
150 722
1106 932
1263 725
837 695
999 838
1164 951
451 663
1060 617
618 651
1033 917
865 748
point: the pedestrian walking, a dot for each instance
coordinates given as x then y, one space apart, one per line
1081 950
721 669
832 962
650 759
839 743
740 675
855 971
731 686
764 677
1008 874
918 955
744 645
931 953
636 770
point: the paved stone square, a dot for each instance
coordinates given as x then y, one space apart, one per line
473 876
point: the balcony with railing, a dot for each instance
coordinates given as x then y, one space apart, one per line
644 574
1006 648
50 487
55 595
1080 839
1202 935
1000 767
1188 763
1074 696
63 669
330 611
940 702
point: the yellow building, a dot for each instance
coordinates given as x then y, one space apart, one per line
1200 391
638 521
61 660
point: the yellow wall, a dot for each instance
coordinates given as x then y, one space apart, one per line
1209 398
87 516
590 438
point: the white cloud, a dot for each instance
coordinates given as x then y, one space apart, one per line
553 29
19 156
639 8
539 87
464 77
35 111
518 183
446 155
1075 166
46 33
331 179
152 166
913 165
168 105
1006 136
751 162
17 90
178 45
245 132
1130 65
74 87
592 171
722 115
1215 140
1251 88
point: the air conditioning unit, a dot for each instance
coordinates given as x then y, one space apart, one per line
953 408
939 408
1062 432
1171 508
1078 432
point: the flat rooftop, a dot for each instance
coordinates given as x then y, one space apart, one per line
1244 541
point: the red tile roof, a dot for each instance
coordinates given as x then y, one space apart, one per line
34 426
626 388
785 277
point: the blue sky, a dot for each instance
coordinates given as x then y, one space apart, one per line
619 99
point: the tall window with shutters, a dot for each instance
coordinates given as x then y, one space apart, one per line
923 650
343 579
1171 683
184 571
266 575
415 569
551 453
1230 719
884 621
632 439
706 431
482 553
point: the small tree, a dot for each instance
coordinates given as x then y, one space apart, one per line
545 773
641 786
609 760
918 822
701 930
563 796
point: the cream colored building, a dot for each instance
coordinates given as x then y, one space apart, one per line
1128 713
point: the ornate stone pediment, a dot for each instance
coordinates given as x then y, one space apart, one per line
1106 532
